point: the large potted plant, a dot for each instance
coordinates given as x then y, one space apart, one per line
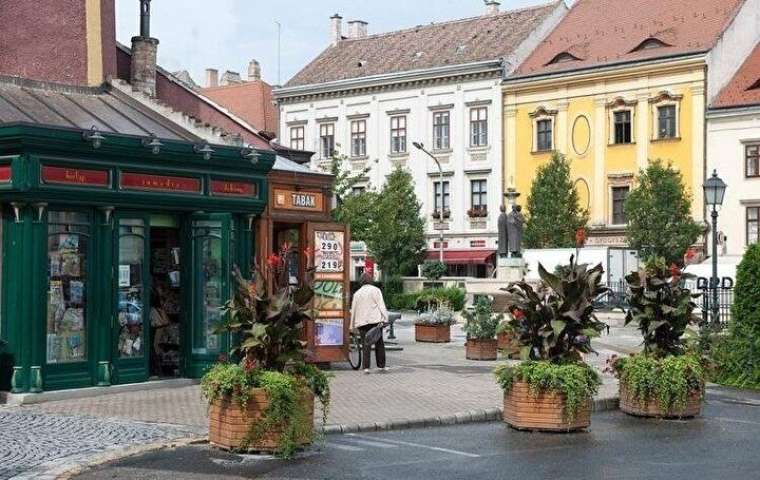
480 326
505 340
265 402
552 389
664 381
434 324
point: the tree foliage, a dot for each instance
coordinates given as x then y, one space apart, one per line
396 237
738 355
355 209
434 270
659 214
554 213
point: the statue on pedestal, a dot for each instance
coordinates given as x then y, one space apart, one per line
515 226
503 235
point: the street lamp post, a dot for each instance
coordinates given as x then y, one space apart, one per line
715 190
421 147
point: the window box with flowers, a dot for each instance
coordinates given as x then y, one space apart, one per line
478 212
438 215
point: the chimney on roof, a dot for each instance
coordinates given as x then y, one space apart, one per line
212 78
336 29
357 29
492 7
230 78
254 71
144 52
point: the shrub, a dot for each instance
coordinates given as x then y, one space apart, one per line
669 380
441 315
737 356
482 323
661 307
576 381
433 270
394 285
556 322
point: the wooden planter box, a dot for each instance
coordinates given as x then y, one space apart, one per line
481 349
545 412
229 424
504 341
432 333
651 408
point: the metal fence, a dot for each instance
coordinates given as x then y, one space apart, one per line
725 292
616 298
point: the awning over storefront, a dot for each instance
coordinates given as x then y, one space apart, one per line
462 257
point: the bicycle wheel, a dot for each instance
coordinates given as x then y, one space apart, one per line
355 352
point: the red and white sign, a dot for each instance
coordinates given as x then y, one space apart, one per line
369 266
163 183
477 244
225 188
5 174
75 176
437 245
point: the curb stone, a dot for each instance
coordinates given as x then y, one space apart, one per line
462 418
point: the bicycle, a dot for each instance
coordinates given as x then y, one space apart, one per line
354 355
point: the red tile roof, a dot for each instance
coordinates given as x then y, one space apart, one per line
739 92
251 101
457 42
602 32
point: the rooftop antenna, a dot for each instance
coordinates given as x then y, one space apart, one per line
279 50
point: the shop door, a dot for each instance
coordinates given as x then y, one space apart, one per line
131 329
211 238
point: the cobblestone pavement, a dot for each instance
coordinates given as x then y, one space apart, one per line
32 443
424 381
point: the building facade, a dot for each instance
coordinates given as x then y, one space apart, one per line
614 88
733 150
442 89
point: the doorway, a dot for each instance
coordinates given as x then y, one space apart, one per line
165 301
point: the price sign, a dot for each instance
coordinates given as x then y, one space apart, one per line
328 252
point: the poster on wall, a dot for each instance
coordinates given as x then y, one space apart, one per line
328 251
329 332
328 297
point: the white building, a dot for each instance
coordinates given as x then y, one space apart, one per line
373 96
733 149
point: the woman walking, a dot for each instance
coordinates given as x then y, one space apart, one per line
368 311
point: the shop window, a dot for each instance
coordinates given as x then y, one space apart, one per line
68 256
297 138
753 225
131 288
479 127
327 140
544 135
359 138
623 127
666 121
619 195
752 160
398 134
441 130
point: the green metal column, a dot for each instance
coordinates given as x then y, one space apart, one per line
103 288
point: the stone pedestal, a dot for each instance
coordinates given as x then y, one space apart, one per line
511 269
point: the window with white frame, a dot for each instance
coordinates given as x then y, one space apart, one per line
297 137
666 121
544 135
752 160
479 194
622 126
753 225
327 140
398 134
359 138
619 196
479 127
442 203
441 130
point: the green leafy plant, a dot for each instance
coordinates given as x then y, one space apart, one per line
481 323
576 381
670 380
439 315
433 270
737 355
660 306
556 321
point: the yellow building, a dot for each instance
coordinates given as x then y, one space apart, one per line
613 87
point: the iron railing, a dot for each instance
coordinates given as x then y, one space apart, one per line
725 291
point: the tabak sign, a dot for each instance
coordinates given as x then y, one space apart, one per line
329 251
163 183
298 200
75 176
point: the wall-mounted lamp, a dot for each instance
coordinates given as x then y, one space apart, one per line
107 214
251 219
40 211
17 208
251 155
93 136
153 143
205 149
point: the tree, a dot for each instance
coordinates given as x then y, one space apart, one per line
355 208
396 237
738 355
554 214
659 214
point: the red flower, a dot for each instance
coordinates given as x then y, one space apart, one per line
249 364
518 314
273 260
675 271
308 251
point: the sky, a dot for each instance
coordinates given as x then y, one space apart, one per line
228 34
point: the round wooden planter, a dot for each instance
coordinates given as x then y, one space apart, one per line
432 333
229 424
504 340
481 349
545 412
651 408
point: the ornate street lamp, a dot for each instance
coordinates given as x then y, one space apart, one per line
715 190
421 147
